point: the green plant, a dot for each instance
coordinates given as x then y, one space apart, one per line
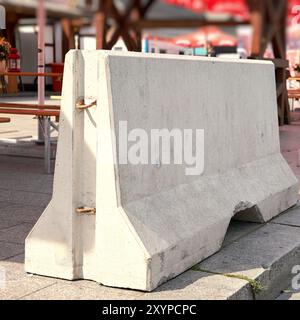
4 49
297 68
256 286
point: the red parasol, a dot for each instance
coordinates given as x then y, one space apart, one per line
236 8
294 12
207 35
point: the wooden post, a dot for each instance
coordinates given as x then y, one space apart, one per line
68 41
268 19
11 23
100 23
257 21
41 19
125 23
136 15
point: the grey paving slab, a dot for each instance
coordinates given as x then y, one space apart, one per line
30 182
197 285
17 282
26 198
19 258
38 287
266 255
4 204
8 250
291 217
19 213
289 295
15 234
21 165
7 223
238 229
290 144
191 285
69 291
23 148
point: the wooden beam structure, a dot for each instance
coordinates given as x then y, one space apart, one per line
182 23
11 23
130 23
68 39
269 19
100 23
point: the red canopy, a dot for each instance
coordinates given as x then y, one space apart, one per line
294 11
237 8
207 35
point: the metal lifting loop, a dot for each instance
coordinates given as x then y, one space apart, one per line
86 210
80 105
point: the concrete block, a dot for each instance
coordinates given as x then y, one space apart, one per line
154 220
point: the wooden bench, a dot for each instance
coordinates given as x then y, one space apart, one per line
294 94
29 106
4 120
30 109
42 112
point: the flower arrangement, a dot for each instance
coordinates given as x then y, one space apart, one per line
4 49
297 68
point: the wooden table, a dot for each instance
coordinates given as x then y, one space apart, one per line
4 120
294 94
14 75
31 74
43 112
294 78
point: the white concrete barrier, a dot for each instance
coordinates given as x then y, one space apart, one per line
154 221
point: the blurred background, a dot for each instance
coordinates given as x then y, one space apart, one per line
268 29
